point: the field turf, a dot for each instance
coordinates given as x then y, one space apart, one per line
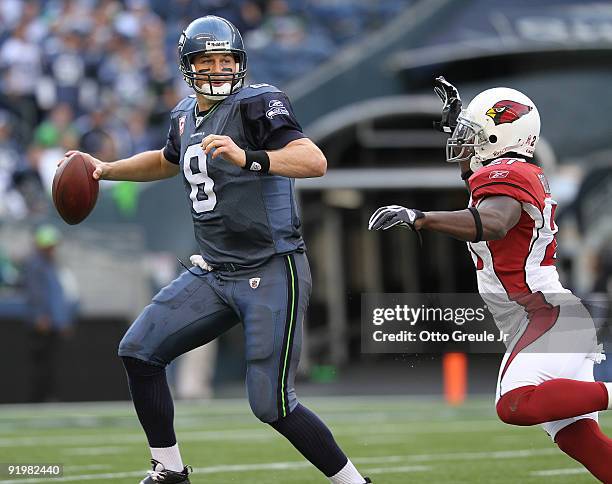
392 439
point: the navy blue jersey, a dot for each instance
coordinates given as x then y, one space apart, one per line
239 216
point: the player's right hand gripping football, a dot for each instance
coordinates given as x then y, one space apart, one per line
101 168
452 104
386 217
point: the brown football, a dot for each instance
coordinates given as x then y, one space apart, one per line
74 190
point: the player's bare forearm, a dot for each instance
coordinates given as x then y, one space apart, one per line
146 166
497 214
458 224
298 159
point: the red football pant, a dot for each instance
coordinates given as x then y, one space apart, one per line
555 399
584 441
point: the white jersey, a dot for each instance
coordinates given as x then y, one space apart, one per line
516 275
551 334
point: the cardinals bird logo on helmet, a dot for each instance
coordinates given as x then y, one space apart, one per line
507 111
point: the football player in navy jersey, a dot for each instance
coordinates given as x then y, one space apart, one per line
238 149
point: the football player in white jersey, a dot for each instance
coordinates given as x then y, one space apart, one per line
546 375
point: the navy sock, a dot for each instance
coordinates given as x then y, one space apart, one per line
152 401
313 439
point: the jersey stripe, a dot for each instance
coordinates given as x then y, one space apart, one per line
505 253
540 321
541 315
292 306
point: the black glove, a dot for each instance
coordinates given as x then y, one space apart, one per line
386 217
452 105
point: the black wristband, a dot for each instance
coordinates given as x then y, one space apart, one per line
257 161
478 223
465 175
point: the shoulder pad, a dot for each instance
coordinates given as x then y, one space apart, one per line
255 90
185 104
522 181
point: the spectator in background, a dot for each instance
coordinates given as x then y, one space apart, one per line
21 68
109 58
11 202
56 135
9 276
124 72
55 129
96 134
251 16
10 12
287 35
28 182
52 313
66 68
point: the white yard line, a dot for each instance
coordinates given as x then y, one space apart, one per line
560 472
137 438
395 470
251 435
292 465
90 467
106 450
82 477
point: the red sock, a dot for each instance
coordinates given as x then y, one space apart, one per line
552 400
584 441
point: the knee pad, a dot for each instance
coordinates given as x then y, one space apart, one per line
509 407
262 397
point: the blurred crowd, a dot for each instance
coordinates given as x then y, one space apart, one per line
102 75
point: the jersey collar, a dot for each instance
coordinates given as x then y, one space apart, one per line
200 117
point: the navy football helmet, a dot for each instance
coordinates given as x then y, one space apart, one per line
212 34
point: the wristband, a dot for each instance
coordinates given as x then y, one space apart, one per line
478 223
257 161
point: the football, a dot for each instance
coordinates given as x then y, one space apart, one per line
74 190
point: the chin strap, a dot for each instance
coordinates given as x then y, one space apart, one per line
475 164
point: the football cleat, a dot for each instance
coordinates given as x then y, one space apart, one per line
367 481
161 474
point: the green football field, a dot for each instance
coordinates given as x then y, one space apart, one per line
391 439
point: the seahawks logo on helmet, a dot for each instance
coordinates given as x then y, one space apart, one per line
507 111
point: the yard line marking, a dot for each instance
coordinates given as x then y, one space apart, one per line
560 472
138 438
83 477
90 467
95 450
249 435
390 470
291 465
500 454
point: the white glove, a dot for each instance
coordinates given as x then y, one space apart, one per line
198 260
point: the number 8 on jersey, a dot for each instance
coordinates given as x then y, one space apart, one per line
203 197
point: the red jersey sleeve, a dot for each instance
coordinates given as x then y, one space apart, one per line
520 180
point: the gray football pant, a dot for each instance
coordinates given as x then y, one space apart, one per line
269 300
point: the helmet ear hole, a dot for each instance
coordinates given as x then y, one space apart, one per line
492 139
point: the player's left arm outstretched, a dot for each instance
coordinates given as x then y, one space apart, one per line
299 158
492 220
